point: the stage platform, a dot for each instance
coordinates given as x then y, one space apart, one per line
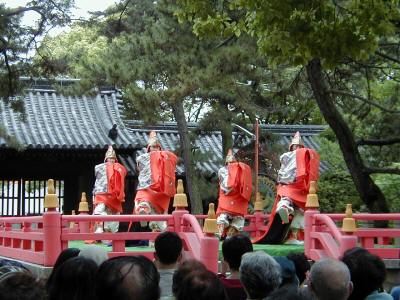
274 250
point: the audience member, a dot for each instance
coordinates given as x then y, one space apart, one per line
289 292
72 279
127 277
168 253
232 250
288 272
395 293
368 273
94 252
260 274
201 284
63 257
184 269
301 264
19 284
330 280
8 262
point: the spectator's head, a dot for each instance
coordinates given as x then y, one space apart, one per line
63 257
184 269
368 272
94 252
168 246
330 280
127 277
201 284
260 274
301 264
72 279
288 271
233 248
290 292
21 285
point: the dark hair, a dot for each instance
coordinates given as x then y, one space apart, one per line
63 257
301 263
185 268
168 246
367 271
201 284
21 286
290 292
72 279
127 277
234 247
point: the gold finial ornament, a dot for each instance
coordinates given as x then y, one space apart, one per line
312 197
50 199
296 140
349 223
110 153
210 224
258 204
83 204
180 198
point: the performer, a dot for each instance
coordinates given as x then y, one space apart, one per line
109 190
156 182
234 195
299 167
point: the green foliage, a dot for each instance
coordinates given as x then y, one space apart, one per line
389 184
17 41
335 185
335 190
297 31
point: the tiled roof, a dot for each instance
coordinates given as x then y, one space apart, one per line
211 143
54 121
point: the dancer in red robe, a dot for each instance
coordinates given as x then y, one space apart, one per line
234 195
109 190
156 181
299 167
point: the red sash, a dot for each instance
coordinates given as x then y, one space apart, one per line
240 180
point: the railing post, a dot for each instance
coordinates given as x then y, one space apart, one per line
209 244
258 215
180 203
312 206
83 210
349 240
51 227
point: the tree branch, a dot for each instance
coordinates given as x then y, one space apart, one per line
344 93
122 12
378 142
372 170
10 81
22 9
393 59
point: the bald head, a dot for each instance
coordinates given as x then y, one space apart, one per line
330 280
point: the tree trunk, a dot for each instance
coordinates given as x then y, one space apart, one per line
196 206
369 192
227 142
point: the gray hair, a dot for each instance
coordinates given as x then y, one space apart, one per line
260 274
330 280
94 252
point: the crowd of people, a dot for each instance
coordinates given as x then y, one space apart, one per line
88 274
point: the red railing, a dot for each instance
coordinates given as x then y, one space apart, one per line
323 237
42 243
